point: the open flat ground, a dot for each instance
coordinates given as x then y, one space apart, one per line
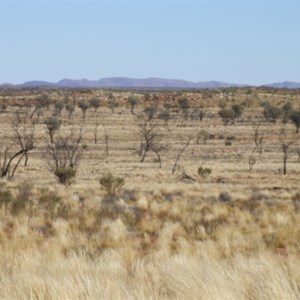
230 234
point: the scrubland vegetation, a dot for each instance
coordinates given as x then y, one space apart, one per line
110 194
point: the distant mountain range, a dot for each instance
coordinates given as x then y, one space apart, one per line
125 82
285 85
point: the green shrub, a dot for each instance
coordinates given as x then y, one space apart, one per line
53 125
111 183
65 175
204 172
59 106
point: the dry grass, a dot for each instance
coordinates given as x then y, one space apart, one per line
234 234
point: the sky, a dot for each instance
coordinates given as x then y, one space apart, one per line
249 42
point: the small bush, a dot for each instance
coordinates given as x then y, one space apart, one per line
84 106
204 172
183 103
17 206
237 110
111 183
3 106
94 103
53 205
224 197
271 113
48 199
296 201
230 138
70 108
133 100
24 197
6 197
65 175
228 143
295 118
202 135
227 115
59 106
25 190
129 195
296 197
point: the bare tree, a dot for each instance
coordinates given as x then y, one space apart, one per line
64 154
150 138
298 153
21 143
106 138
258 139
252 160
180 153
286 139
198 113
96 121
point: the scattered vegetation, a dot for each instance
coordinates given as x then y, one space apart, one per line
161 235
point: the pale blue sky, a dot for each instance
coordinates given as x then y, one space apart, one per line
250 42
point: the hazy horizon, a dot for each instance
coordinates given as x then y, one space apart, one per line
246 42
